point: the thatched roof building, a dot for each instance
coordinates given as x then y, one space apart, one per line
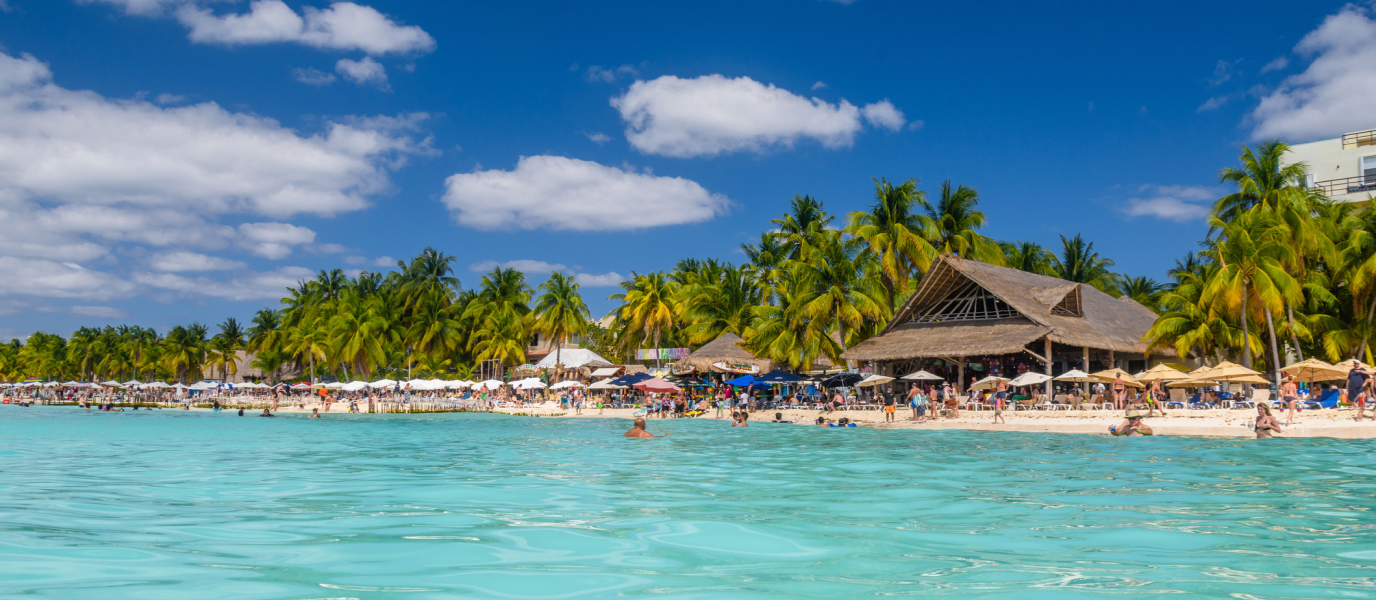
965 308
726 348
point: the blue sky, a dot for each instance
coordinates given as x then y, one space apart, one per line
164 161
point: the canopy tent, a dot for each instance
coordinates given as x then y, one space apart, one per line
1029 378
742 381
922 376
987 383
573 358
606 372
657 385
778 377
1313 369
606 384
725 350
1161 372
874 380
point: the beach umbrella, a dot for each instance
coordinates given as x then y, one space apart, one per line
1074 376
112 383
874 380
922 376
656 385
1313 369
987 383
133 383
742 381
1029 378
491 384
1109 375
1347 365
382 383
566 384
606 384
843 380
631 379
1161 372
777 377
301 386
1231 372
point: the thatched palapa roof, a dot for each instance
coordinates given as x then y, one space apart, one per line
726 348
1034 307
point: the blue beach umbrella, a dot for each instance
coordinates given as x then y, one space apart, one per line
779 377
743 380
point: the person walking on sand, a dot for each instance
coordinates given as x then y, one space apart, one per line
1289 393
1357 379
889 407
999 397
1266 425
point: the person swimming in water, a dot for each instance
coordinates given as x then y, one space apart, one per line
315 414
638 430
1266 425
1132 427
266 413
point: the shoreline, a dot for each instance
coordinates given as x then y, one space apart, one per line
1328 423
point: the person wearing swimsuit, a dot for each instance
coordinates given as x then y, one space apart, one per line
1132 427
1119 392
1289 392
1266 425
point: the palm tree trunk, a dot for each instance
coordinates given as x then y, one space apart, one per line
312 367
842 326
1246 335
558 356
1275 351
1294 339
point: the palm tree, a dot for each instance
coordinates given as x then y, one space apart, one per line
1144 290
1252 253
560 312
766 260
227 345
726 302
647 308
1079 263
1263 179
954 224
803 224
1028 256
896 234
841 287
499 312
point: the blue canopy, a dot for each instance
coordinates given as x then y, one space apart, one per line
779 376
632 379
743 380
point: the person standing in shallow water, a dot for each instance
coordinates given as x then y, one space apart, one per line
1266 425
638 430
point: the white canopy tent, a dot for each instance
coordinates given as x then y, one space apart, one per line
573 358
922 376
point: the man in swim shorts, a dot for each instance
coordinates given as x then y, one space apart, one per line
1000 394
638 430
1356 380
889 407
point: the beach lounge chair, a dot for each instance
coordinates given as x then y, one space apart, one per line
1258 395
1177 399
1057 403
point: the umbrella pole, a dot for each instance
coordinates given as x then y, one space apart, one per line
1048 368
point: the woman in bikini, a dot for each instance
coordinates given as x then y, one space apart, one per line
1119 392
1266 424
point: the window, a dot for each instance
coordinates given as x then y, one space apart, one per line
1369 170
1309 180
535 340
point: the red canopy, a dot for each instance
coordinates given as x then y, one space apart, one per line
656 385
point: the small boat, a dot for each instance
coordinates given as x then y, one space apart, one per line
738 368
682 372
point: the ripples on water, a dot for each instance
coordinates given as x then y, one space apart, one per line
168 504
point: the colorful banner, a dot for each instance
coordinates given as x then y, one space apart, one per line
661 353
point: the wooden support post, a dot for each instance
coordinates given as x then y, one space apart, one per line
1112 363
1048 368
960 377
1086 367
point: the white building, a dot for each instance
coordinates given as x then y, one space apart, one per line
1344 168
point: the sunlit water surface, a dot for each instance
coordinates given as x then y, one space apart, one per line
167 504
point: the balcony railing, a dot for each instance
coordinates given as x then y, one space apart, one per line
1359 139
1350 185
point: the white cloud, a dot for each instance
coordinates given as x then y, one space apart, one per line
191 261
603 280
1223 71
381 261
609 75
384 261
100 312
273 240
166 99
598 138
139 7
884 114
818 86
534 267
251 286
363 72
712 115
554 192
1279 63
313 76
1178 203
342 26
52 279
1336 93
1213 104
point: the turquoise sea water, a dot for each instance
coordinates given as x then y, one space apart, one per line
168 504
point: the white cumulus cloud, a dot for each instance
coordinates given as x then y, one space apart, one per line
1178 203
534 267
712 115
268 285
182 260
273 240
363 72
100 312
612 279
884 114
53 279
342 26
312 76
554 192
1336 93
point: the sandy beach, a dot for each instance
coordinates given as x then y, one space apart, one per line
1212 423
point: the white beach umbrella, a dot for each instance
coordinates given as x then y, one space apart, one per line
874 380
1074 376
112 383
491 384
382 383
1029 378
455 385
922 376
566 384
